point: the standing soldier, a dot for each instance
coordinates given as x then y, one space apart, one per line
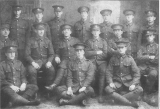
96 51
80 75
13 80
64 53
106 29
123 77
4 39
55 25
131 31
19 31
148 57
82 26
151 24
38 12
40 54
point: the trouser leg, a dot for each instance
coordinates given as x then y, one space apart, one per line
50 75
32 75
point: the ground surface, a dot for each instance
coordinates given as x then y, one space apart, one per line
52 104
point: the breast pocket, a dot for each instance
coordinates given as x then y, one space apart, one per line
100 45
18 72
127 67
116 66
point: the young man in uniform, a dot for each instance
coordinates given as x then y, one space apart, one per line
148 56
64 53
79 78
82 26
123 77
14 85
96 51
40 54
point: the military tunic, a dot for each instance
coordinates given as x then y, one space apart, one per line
106 31
82 30
123 72
55 25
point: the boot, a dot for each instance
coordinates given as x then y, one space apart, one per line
77 99
120 99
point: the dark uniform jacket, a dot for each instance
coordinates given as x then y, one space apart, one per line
55 25
122 70
47 29
80 74
142 36
132 31
13 73
38 49
94 45
65 48
151 49
19 31
106 31
3 43
82 30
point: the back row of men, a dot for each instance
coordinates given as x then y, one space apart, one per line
109 48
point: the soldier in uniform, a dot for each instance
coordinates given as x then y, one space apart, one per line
64 53
40 54
123 77
82 26
96 51
55 25
13 81
38 12
4 39
106 30
19 31
131 31
148 56
80 75
150 24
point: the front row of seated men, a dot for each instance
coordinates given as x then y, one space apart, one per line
122 75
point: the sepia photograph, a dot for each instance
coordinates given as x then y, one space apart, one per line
79 54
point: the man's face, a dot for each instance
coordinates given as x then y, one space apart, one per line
106 18
150 38
129 18
17 13
80 53
122 50
96 33
118 32
39 16
11 55
58 14
151 19
84 15
66 32
40 32
5 32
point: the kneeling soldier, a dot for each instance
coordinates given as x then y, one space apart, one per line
40 53
123 77
13 80
80 75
